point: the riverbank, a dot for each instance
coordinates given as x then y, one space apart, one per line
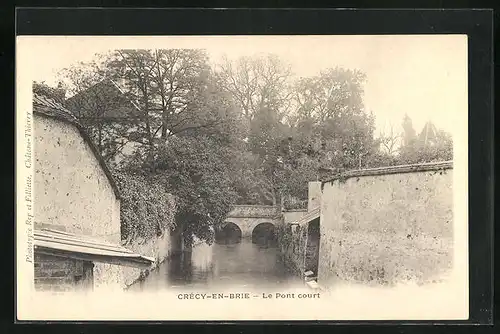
158 248
165 250
243 265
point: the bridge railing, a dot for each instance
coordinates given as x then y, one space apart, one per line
254 211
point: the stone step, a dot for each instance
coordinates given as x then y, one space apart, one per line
313 285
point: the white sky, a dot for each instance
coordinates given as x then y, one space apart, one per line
423 76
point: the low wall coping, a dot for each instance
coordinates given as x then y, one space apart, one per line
308 217
415 168
255 206
294 210
272 216
253 211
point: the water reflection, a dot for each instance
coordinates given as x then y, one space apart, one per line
265 235
228 234
246 264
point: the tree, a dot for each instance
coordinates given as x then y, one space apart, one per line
256 83
149 95
266 136
196 162
101 107
249 182
330 128
260 87
297 129
167 87
333 103
333 91
199 172
434 145
242 132
182 126
430 145
390 141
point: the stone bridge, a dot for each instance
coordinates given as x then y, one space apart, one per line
246 218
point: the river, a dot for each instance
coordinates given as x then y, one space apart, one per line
243 265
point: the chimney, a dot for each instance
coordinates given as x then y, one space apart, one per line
314 195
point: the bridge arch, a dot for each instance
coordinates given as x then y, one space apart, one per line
228 233
247 217
264 234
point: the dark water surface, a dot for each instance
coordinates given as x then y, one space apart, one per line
244 265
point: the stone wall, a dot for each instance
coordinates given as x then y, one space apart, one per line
313 195
292 243
159 248
72 192
248 224
387 228
299 242
247 217
254 211
61 274
290 216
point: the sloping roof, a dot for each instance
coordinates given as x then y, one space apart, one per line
45 105
423 167
122 107
71 245
49 108
117 105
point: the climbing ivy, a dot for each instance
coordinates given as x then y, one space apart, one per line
146 209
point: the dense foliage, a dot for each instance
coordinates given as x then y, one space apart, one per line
245 131
198 173
430 145
146 209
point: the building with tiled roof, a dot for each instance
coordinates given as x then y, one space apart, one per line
77 207
103 101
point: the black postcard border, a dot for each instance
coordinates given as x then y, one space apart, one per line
477 24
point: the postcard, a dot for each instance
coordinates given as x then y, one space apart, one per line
241 178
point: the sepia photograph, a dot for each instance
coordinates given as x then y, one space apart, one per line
242 177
